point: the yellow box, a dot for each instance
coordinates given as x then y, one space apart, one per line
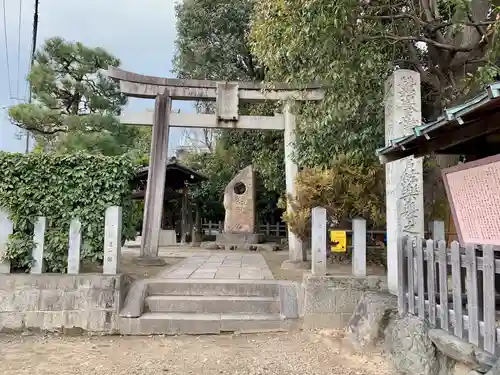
338 239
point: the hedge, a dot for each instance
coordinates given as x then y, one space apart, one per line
62 187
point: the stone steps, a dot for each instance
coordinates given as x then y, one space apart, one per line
214 287
197 324
212 304
190 306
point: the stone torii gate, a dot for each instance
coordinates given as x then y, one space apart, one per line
227 95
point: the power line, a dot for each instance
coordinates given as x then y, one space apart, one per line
19 47
6 47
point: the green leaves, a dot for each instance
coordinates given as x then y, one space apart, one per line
62 187
70 91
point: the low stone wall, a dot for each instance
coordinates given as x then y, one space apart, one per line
413 346
329 301
66 303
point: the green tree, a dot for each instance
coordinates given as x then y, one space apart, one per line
212 44
75 103
354 45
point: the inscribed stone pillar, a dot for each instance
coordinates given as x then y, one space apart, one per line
112 240
153 203
295 246
75 241
39 239
404 179
318 245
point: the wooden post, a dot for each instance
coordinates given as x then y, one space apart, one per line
5 232
456 277
39 239
359 247
112 240
75 239
318 253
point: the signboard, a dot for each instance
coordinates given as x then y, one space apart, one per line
338 241
473 190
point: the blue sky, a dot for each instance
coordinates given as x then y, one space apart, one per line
139 32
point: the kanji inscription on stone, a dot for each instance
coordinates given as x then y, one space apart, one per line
239 202
474 193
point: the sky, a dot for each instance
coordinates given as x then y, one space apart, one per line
141 33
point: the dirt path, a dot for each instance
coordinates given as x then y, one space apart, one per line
263 354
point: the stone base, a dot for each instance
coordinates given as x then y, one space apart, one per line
239 238
296 265
148 261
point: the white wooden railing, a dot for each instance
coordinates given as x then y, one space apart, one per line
424 290
112 242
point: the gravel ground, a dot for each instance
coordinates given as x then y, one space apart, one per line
259 354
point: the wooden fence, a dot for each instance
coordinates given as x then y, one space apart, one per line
112 242
270 230
470 311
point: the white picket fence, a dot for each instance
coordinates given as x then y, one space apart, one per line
424 288
112 242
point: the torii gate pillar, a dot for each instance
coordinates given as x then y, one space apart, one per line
155 190
295 245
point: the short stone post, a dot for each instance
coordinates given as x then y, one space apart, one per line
39 239
359 247
318 232
5 232
112 240
75 239
436 229
404 178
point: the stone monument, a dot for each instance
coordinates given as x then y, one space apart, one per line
404 178
239 203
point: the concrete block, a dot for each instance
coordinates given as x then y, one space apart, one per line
202 324
102 299
102 321
11 321
53 300
76 319
212 288
326 320
288 298
212 304
134 301
170 324
252 323
19 300
53 320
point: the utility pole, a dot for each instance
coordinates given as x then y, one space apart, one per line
33 50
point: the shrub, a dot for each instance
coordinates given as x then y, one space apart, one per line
349 188
62 187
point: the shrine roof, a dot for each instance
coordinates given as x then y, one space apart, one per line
176 176
455 131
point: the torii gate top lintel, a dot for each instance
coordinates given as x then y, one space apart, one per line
228 96
144 86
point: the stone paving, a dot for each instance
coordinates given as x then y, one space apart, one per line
220 266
